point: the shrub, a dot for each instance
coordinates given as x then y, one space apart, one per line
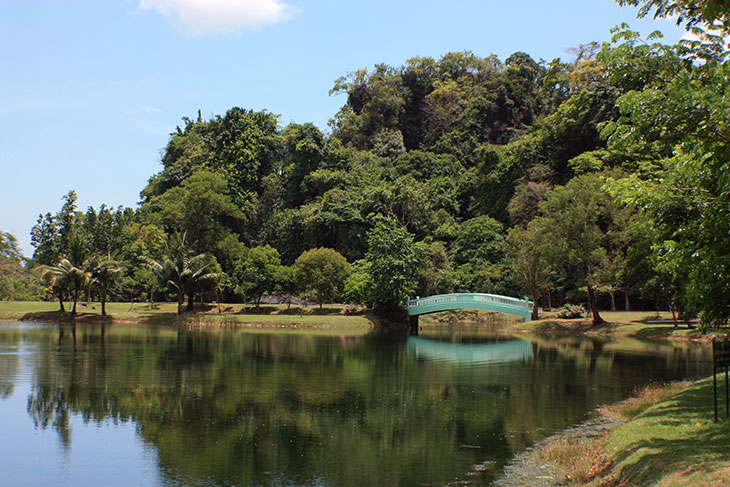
570 311
349 310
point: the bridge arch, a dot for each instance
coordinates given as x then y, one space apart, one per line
476 353
521 308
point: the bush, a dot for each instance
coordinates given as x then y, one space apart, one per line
571 311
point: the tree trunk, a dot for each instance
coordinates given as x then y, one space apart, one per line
60 300
76 298
180 300
612 293
535 316
593 302
627 307
103 304
191 299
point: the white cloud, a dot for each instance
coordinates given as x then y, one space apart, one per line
201 17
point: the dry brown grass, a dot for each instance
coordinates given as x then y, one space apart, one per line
587 462
582 460
643 398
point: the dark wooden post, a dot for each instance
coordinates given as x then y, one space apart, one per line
720 359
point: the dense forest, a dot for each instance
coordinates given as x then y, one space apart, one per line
601 180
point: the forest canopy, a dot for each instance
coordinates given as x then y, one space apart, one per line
574 180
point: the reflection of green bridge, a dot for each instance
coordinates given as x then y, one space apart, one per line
482 353
487 302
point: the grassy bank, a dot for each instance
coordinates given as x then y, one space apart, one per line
635 324
328 319
632 324
669 439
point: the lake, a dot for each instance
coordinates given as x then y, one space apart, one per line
164 406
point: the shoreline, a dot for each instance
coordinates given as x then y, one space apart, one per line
166 314
662 435
638 325
528 468
663 332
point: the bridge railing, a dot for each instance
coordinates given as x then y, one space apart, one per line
491 302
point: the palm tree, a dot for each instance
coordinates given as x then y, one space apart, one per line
81 270
186 274
64 275
58 277
72 271
164 270
196 275
105 274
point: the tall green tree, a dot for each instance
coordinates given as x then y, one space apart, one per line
43 237
257 272
201 208
104 229
531 253
52 234
68 221
586 230
690 12
393 266
323 271
241 146
479 240
437 273
683 111
17 281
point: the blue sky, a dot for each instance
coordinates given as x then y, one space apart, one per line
90 90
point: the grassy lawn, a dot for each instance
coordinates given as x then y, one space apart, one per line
669 440
674 442
269 316
636 324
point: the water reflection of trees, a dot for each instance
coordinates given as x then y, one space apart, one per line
236 407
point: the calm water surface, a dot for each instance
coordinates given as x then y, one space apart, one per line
151 405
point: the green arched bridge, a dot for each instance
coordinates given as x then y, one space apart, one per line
487 302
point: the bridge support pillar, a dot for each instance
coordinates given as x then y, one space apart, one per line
413 321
